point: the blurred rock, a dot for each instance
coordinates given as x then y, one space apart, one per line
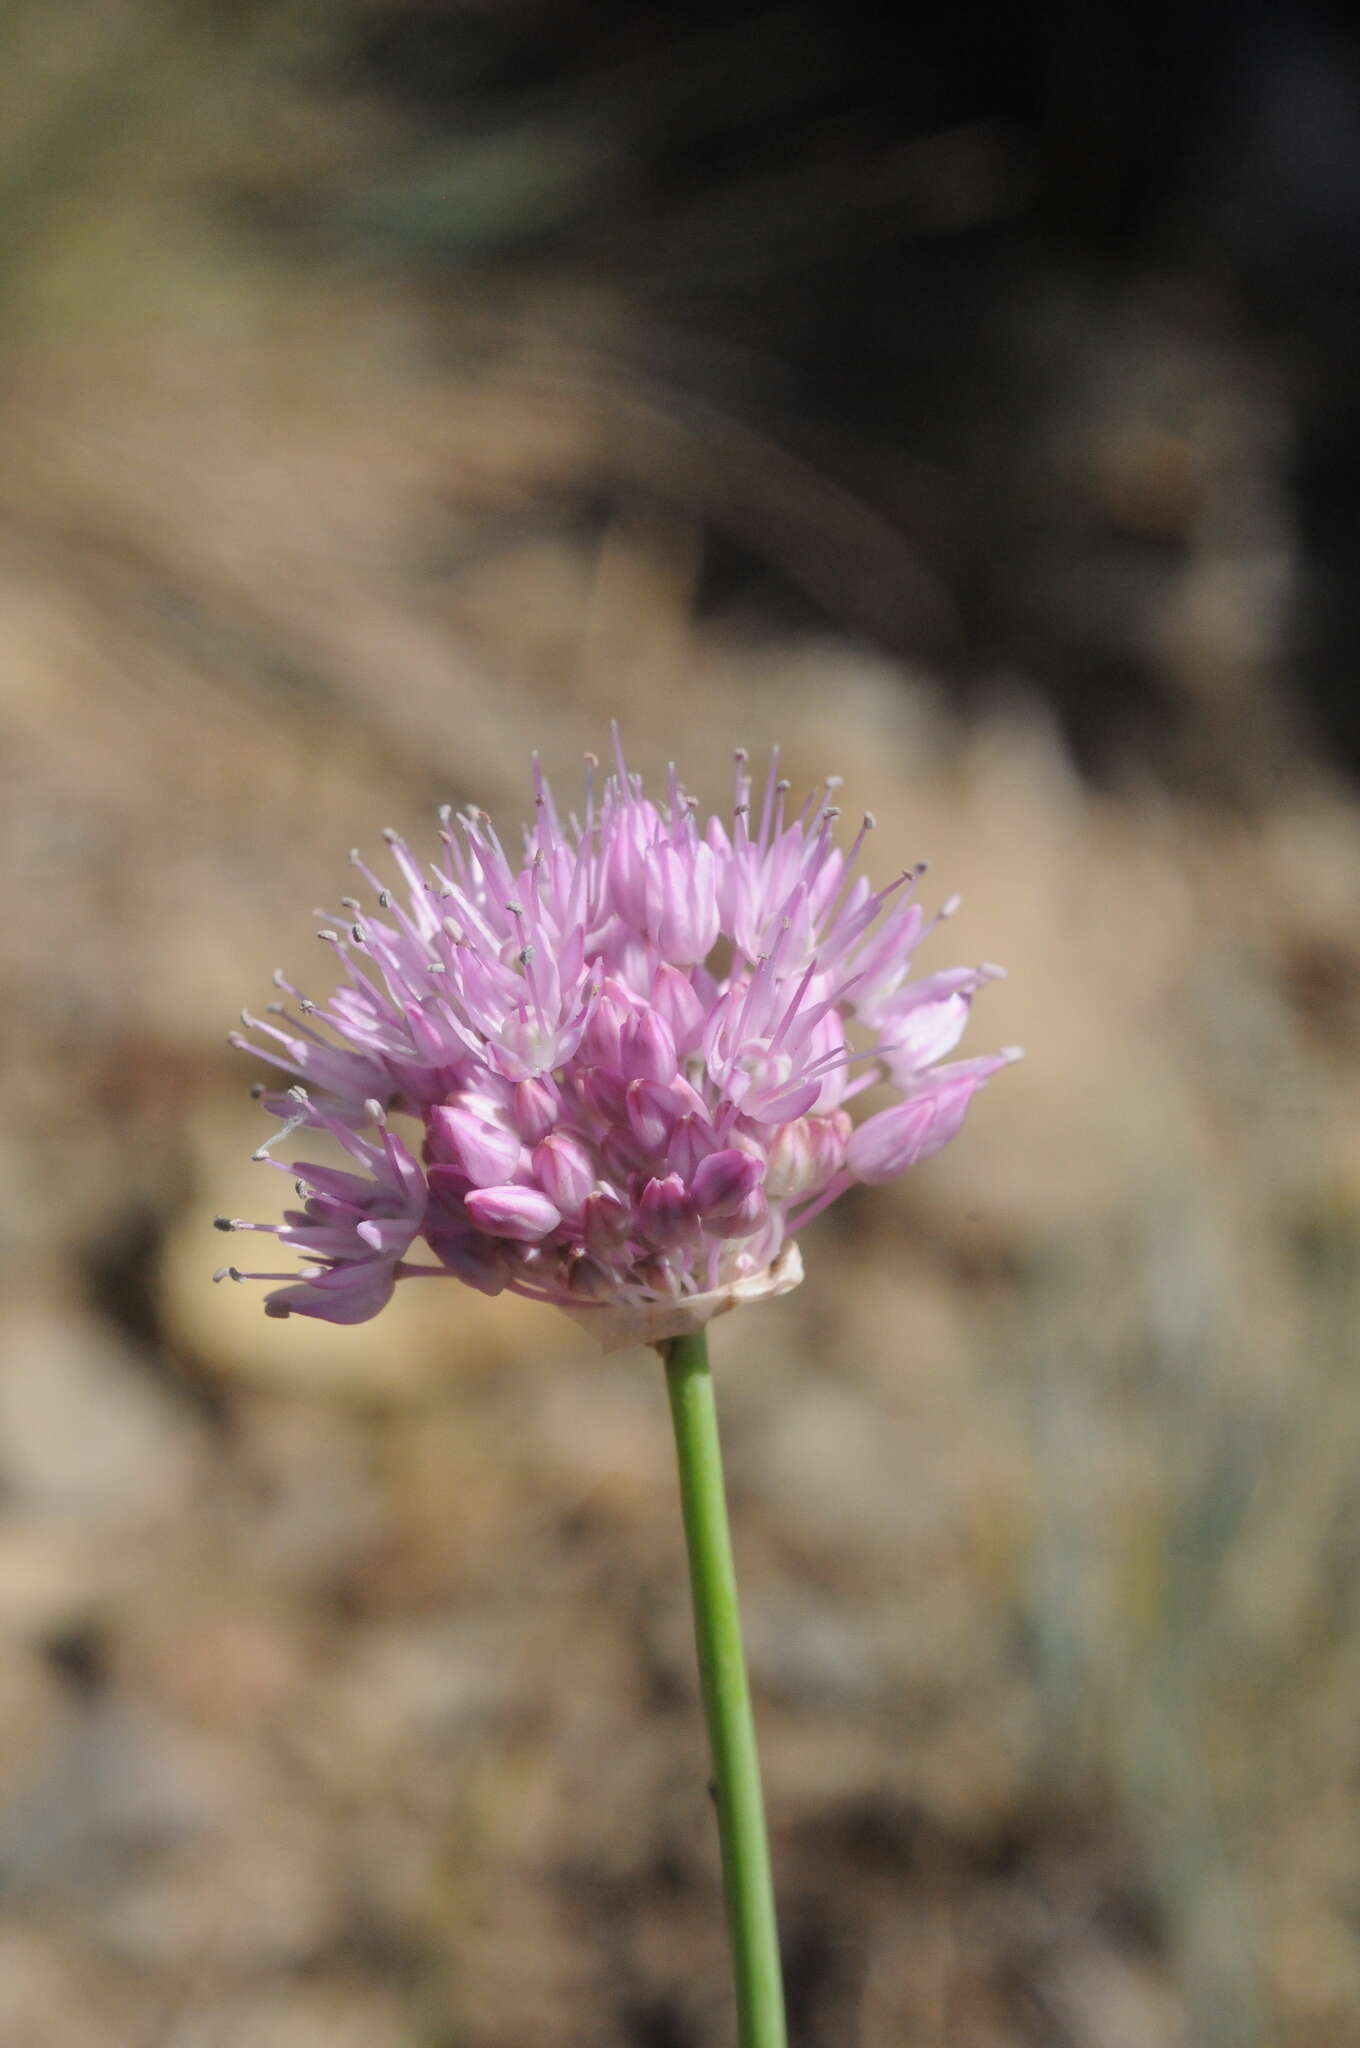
87 1434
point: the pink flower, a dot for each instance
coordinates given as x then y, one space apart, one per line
355 1228
627 1053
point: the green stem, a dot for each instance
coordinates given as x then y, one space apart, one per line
751 1926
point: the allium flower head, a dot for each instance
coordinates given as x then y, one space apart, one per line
626 1052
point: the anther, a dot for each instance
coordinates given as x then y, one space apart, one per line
257 1089
228 1273
358 934
514 909
834 781
391 834
331 938
525 956
741 754
355 857
306 1005
783 786
275 1010
351 903
223 1223
446 815
870 821
376 1110
384 899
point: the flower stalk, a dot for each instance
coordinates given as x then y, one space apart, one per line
747 1882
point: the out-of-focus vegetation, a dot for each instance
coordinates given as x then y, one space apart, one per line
388 391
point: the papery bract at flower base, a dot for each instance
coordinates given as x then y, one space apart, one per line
625 1054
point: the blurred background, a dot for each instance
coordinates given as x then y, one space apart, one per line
970 405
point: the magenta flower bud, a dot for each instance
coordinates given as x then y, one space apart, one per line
722 1182
520 1213
682 902
690 1142
651 1116
564 1170
605 1222
675 998
647 1050
486 1153
665 1212
620 1155
604 1096
534 1110
603 1040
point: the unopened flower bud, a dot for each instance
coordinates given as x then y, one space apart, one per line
675 998
604 1033
691 1141
520 1213
722 1182
651 1115
535 1110
647 1048
665 1212
564 1170
605 1221
682 902
486 1153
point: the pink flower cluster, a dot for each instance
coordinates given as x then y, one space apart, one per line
625 1050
